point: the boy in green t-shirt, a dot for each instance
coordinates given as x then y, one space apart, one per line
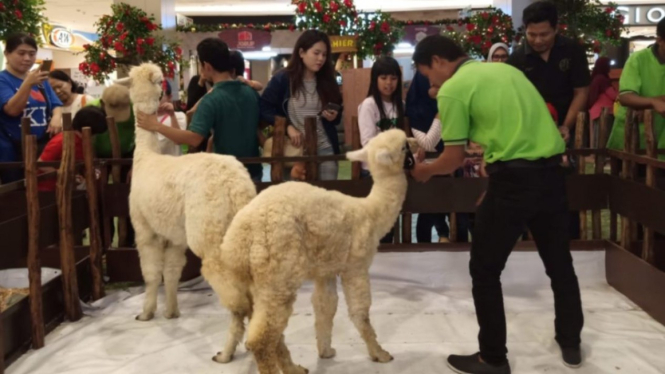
642 86
230 111
496 106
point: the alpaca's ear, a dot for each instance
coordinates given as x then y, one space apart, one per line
413 144
127 82
384 157
155 77
359 155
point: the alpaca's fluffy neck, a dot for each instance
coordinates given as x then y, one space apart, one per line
385 200
146 141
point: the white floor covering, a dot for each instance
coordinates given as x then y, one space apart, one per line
422 311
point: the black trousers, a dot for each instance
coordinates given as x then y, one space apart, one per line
518 198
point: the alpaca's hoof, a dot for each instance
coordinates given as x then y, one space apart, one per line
382 356
172 314
328 353
222 358
297 369
145 316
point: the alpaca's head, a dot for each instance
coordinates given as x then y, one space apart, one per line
387 153
145 87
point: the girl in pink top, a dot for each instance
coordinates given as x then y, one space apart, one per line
601 95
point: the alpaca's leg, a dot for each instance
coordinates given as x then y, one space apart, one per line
174 261
358 298
269 319
325 301
151 254
234 295
284 357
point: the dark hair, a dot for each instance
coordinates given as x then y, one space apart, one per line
540 11
436 45
63 77
237 62
601 67
15 40
216 53
660 29
326 83
90 116
387 66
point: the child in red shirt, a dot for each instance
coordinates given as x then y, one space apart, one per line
92 117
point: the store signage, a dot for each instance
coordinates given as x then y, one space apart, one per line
61 38
341 44
642 15
413 34
246 39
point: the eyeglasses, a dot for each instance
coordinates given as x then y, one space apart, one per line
499 57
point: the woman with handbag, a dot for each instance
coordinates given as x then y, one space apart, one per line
24 93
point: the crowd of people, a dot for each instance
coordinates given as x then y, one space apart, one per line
515 114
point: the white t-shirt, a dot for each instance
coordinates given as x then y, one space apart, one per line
79 102
369 118
167 146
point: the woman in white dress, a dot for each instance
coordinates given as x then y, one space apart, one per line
69 92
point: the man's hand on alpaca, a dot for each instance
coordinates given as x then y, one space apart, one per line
147 121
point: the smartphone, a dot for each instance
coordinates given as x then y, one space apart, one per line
46 65
332 106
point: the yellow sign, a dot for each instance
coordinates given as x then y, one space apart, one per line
343 44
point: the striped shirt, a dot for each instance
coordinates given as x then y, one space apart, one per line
307 103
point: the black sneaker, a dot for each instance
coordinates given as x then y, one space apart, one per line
473 365
572 357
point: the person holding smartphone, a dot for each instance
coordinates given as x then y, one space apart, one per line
25 93
307 87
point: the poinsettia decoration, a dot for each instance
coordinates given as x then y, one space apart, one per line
21 16
128 36
333 17
595 26
380 34
480 31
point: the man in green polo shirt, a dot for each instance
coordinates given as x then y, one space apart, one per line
642 86
497 107
230 111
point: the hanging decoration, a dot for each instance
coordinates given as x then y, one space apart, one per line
333 17
380 34
481 31
591 23
21 16
128 37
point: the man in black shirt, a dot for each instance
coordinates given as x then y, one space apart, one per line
556 65
559 69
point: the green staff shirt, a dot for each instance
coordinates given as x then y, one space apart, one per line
496 106
231 112
643 75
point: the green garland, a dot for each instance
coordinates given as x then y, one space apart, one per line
21 16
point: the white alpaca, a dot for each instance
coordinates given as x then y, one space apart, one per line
177 202
295 231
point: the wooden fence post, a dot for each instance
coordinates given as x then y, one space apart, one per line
64 190
34 265
628 173
278 137
93 204
407 217
581 166
116 174
311 147
652 152
26 122
596 221
614 218
356 167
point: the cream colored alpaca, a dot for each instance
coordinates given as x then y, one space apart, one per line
295 231
177 202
